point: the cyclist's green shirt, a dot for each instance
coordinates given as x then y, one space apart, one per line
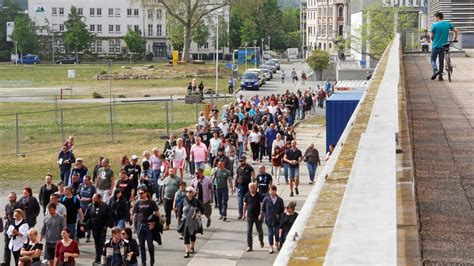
441 30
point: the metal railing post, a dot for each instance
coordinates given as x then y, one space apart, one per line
196 108
62 127
17 135
111 116
167 121
172 111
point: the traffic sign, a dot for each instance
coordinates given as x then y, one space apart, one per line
228 66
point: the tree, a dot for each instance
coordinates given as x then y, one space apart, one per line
175 33
200 35
318 61
9 12
136 44
77 37
380 29
24 35
248 32
189 13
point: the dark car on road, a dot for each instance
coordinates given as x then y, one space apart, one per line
68 60
29 59
250 80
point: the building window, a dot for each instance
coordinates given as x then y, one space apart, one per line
111 28
341 30
159 15
159 30
129 28
92 12
330 45
136 28
111 12
129 12
111 46
99 12
341 11
99 46
150 30
117 46
99 27
117 28
206 45
54 11
117 12
61 11
136 12
61 27
80 11
150 13
55 27
93 49
92 27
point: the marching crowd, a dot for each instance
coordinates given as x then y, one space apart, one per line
195 170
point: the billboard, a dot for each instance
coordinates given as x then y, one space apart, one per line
10 28
249 55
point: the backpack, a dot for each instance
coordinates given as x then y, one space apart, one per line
64 198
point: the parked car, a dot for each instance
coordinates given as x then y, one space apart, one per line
68 60
250 80
277 63
269 68
272 66
267 74
260 73
29 59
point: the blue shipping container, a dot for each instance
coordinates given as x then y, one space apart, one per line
339 109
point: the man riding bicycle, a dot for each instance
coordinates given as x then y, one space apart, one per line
439 36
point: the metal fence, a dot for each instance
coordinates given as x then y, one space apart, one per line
30 132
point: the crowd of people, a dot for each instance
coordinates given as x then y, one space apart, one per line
195 171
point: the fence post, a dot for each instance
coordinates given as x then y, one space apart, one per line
172 111
111 116
17 135
62 127
167 120
56 118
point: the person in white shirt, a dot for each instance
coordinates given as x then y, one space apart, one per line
224 126
278 142
254 139
18 234
201 120
179 157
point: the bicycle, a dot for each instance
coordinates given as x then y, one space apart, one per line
447 58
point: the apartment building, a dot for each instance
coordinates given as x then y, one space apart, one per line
326 20
108 20
303 27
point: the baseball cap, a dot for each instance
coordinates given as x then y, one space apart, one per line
134 157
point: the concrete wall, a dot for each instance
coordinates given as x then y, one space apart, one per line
468 40
353 74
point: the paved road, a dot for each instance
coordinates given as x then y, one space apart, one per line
442 129
224 242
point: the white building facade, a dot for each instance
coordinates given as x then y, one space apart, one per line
108 20
326 20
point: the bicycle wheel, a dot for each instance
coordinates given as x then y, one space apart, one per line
449 67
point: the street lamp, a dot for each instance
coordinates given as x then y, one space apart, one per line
255 51
246 44
269 38
217 55
263 39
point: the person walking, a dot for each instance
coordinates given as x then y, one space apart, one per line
230 83
287 220
245 175
119 207
179 157
283 74
294 76
134 251
293 157
53 224
277 158
143 209
31 206
254 138
252 206
198 153
311 157
67 250
425 41
65 160
264 181
105 181
17 232
189 220
222 177
32 248
271 135
97 218
9 218
171 185
85 193
303 77
272 210
73 208
204 193
79 169
46 190
119 250
440 34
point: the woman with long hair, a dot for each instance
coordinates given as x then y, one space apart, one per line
179 157
127 234
66 250
189 220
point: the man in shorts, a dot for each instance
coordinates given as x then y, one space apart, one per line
51 231
105 181
293 157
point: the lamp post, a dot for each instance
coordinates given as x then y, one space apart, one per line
263 39
255 51
217 56
269 38
246 44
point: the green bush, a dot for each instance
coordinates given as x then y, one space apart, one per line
5 55
318 60
97 95
103 72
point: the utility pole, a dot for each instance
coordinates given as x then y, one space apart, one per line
217 56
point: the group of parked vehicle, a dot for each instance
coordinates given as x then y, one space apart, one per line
33 59
254 78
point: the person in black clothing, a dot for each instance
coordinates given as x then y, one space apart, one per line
252 206
132 243
32 207
11 206
205 136
134 170
272 210
126 185
32 247
189 220
245 175
287 220
46 190
96 169
73 208
65 160
119 208
141 212
264 181
119 250
97 219
201 88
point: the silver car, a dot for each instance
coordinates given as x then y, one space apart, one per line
277 63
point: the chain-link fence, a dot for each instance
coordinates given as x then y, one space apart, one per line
29 132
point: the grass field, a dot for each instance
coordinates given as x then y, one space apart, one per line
47 78
137 127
